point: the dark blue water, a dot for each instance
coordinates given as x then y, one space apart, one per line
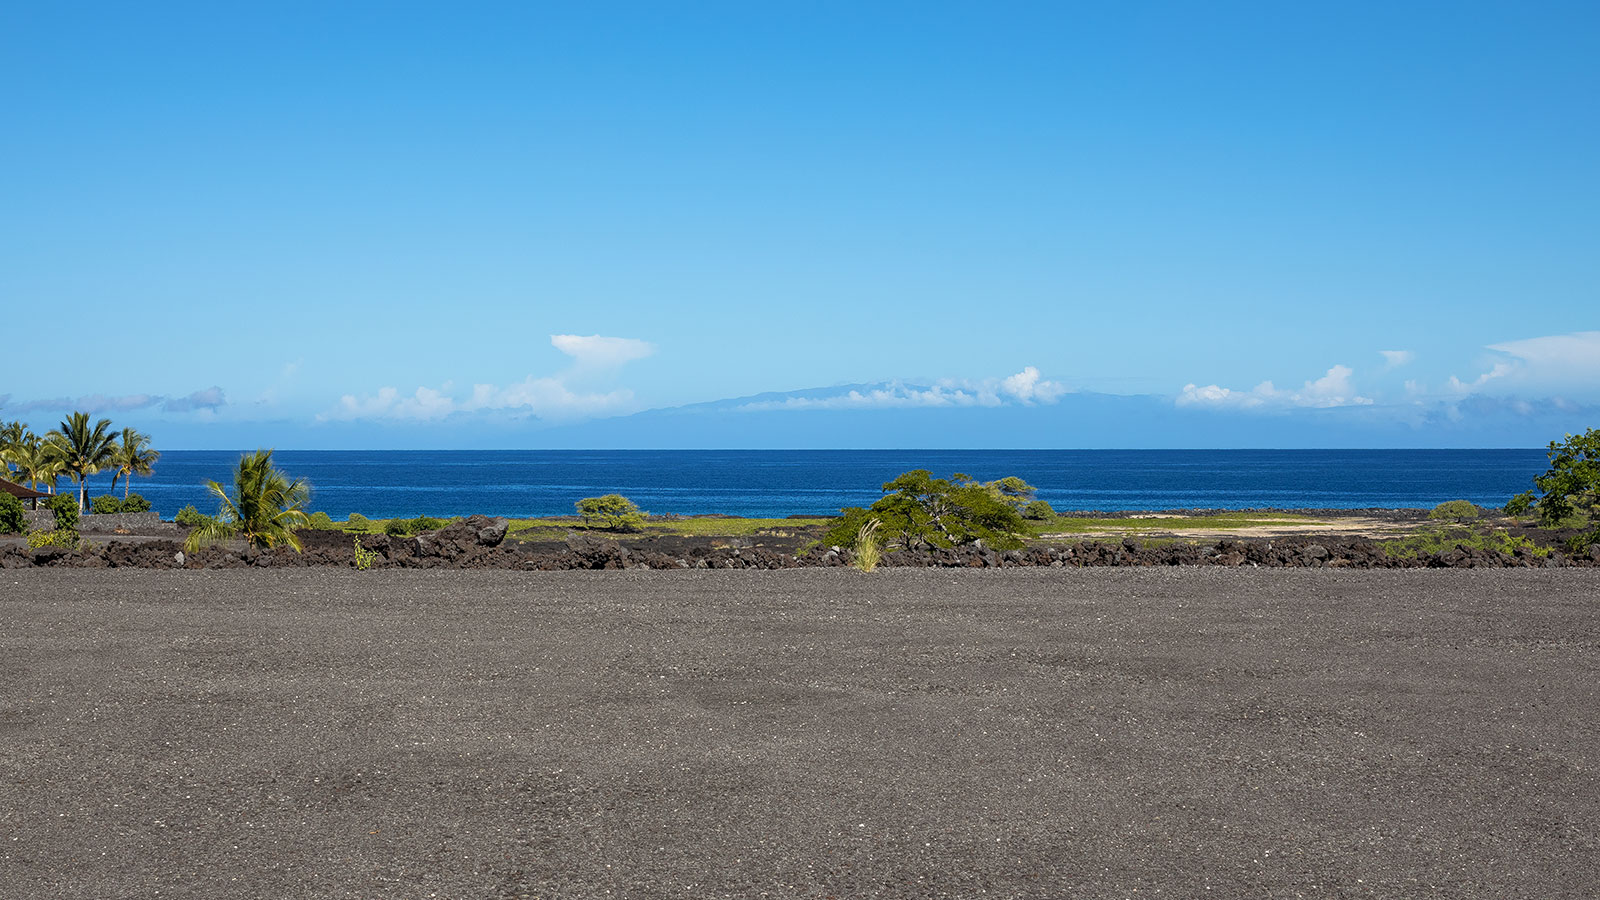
383 484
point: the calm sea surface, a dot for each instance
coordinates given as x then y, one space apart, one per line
389 483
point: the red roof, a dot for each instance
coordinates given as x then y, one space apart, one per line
20 492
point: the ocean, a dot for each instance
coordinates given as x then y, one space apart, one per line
389 483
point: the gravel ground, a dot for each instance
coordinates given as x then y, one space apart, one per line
1014 733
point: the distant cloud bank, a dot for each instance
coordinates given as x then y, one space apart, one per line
207 400
1333 389
1025 388
547 397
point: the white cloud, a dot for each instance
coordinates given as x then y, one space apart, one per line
1394 359
1335 388
601 352
1500 370
1024 388
548 396
1571 355
1560 362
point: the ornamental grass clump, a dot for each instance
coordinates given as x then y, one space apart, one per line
867 553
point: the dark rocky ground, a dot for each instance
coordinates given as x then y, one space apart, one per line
1107 733
479 542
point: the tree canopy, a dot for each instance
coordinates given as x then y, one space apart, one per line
940 512
1571 486
613 512
83 450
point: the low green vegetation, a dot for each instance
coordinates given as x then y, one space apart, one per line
189 516
357 523
555 528
1444 538
58 537
1142 525
413 527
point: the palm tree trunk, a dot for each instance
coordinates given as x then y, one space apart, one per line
127 485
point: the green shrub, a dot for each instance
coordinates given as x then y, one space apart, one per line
12 521
104 505
135 503
358 521
320 520
65 506
59 537
1445 538
612 512
410 527
189 516
1455 511
1038 511
1579 544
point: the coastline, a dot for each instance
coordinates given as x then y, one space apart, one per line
1304 539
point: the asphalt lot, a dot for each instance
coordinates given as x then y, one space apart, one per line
815 733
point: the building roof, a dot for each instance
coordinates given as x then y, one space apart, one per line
20 492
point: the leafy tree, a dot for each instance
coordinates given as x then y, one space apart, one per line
1572 483
264 508
105 503
82 450
612 512
11 435
917 508
133 457
190 516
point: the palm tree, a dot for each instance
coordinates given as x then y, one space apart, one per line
83 451
11 434
133 457
264 509
35 463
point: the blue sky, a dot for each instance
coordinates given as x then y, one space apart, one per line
498 225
